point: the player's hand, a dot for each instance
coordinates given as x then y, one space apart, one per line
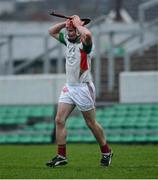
69 23
77 21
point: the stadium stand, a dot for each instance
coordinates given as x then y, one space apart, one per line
126 123
26 124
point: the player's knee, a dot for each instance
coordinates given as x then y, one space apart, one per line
59 121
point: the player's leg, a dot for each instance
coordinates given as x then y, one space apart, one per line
63 112
98 132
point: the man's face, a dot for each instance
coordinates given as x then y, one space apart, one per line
71 30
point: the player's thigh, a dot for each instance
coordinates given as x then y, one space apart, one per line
63 111
89 116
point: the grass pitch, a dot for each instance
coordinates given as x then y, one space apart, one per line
28 162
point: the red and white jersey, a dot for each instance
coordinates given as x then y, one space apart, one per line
78 61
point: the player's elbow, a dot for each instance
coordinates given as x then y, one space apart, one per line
88 35
53 33
50 31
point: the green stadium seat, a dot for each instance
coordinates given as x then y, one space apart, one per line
152 138
144 118
28 128
48 111
40 126
146 107
3 109
50 126
154 118
43 111
117 119
121 107
127 138
113 138
110 113
140 138
37 138
47 139
43 126
105 118
77 138
12 138
3 138
88 138
141 124
155 107
21 120
152 125
25 111
115 124
13 111
104 121
36 112
128 124
10 121
121 113
100 113
133 107
131 118
1 120
146 113
3 114
76 122
25 138
155 113
133 113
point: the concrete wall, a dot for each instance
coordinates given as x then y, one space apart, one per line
139 87
28 89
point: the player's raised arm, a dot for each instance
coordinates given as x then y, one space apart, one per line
86 35
55 30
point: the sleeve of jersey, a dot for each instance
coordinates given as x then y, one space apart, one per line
86 48
62 38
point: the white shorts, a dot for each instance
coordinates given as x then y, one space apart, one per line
82 95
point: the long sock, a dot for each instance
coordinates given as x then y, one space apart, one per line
62 150
105 148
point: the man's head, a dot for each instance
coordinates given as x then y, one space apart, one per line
71 30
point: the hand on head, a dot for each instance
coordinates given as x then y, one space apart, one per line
74 22
77 21
69 23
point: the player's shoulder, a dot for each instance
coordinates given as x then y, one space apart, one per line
62 38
